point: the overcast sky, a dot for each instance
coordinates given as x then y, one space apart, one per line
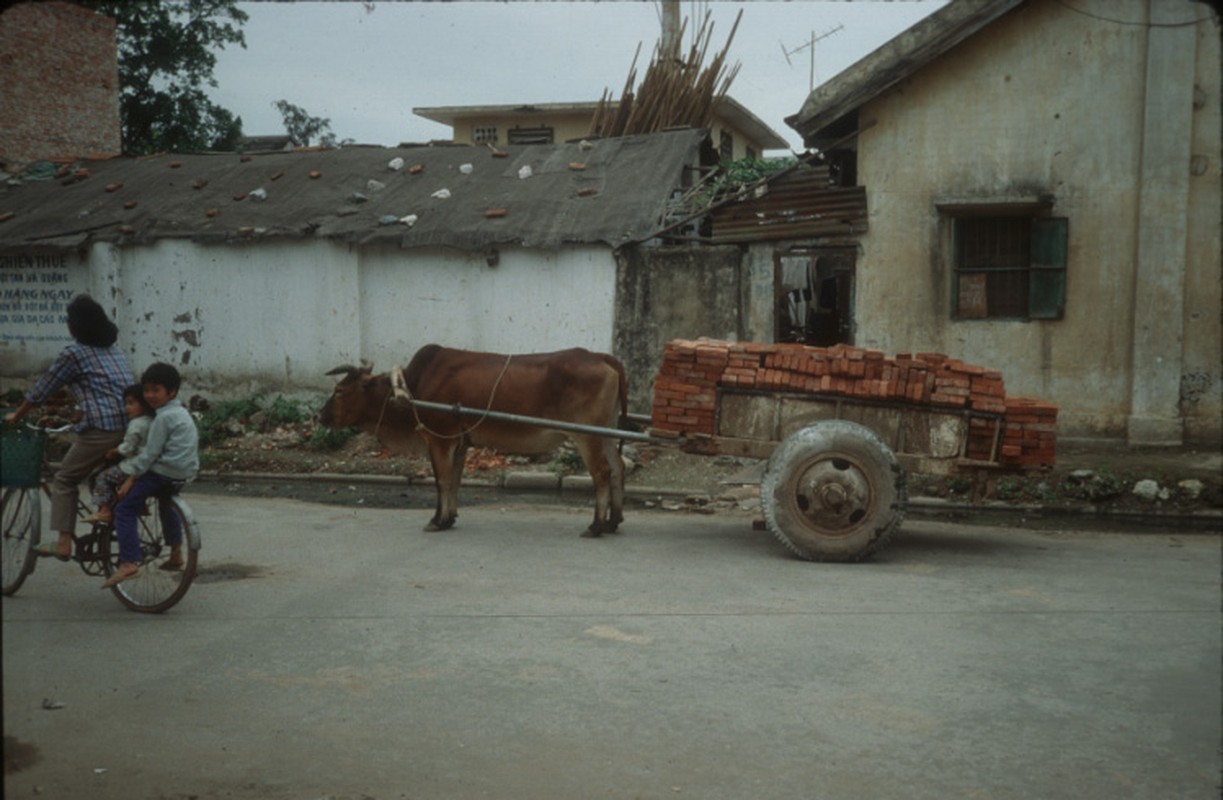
367 65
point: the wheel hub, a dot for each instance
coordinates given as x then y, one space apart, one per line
834 495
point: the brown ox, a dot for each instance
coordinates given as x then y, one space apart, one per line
575 386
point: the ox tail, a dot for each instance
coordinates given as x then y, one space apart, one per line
622 378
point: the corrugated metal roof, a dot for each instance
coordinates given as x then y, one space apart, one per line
613 192
800 202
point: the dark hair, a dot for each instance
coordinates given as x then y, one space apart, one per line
88 323
136 392
162 375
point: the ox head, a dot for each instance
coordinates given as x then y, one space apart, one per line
350 398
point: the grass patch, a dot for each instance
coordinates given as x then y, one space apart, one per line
225 419
283 411
230 418
329 438
566 460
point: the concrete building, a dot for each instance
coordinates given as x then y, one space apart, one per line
1044 196
59 96
737 132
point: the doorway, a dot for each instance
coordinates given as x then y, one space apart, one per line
814 290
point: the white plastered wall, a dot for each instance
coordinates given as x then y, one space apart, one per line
276 316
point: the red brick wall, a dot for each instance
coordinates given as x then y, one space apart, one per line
59 83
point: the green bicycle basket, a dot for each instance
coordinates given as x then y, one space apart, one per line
21 456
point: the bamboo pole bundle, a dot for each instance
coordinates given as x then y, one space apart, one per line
675 91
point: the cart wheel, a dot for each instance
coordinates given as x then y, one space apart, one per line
833 491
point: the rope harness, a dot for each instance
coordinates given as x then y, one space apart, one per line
400 386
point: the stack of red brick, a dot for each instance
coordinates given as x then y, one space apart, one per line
1029 437
685 396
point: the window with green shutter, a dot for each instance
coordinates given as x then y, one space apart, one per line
1047 278
1009 266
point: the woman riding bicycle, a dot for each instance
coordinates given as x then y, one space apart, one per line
96 372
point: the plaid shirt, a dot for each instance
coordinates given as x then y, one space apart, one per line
96 377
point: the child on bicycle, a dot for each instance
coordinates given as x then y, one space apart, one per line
170 458
106 484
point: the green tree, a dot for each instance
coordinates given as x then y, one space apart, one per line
166 60
302 127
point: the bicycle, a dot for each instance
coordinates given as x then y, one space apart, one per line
24 476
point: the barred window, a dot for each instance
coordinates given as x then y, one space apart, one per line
1009 267
484 133
530 136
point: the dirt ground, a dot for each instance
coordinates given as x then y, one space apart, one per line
278 452
1100 475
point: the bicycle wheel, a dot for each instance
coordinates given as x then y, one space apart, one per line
21 517
158 585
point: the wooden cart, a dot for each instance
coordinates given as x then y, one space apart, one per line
834 487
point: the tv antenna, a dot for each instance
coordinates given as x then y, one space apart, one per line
810 43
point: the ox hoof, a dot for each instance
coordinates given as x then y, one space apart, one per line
438 526
590 533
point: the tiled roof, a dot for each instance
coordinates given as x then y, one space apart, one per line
610 191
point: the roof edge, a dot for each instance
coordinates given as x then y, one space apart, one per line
732 109
894 61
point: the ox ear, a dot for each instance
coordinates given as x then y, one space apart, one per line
367 366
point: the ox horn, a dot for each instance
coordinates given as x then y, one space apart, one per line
350 370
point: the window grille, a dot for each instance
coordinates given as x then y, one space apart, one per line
1010 267
530 136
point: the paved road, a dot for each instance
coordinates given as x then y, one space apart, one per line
687 657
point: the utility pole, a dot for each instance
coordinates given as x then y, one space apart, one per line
670 27
809 44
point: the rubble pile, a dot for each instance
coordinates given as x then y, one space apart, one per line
685 391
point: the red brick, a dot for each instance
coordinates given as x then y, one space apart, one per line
61 83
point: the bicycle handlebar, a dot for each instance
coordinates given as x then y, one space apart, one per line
34 427
61 429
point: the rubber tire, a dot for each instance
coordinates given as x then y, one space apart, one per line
21 509
853 467
153 591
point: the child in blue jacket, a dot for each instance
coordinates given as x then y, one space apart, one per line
170 457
